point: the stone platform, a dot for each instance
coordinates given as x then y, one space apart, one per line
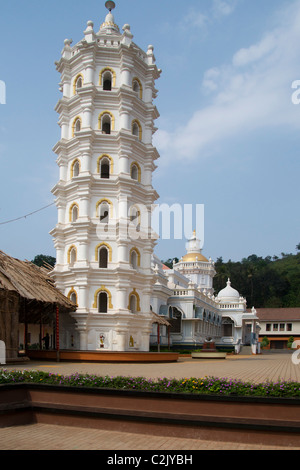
102 356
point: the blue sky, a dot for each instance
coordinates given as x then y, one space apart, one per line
228 130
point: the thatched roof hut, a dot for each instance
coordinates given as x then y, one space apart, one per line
159 319
27 295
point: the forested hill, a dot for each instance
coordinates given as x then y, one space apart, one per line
264 282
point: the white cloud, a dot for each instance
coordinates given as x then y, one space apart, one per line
195 18
255 52
251 92
219 8
223 8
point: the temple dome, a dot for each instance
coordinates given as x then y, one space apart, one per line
228 294
194 257
194 252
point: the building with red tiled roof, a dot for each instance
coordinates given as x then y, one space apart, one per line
278 325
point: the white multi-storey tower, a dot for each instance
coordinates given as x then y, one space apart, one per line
104 194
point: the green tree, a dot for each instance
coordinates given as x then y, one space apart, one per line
169 262
39 260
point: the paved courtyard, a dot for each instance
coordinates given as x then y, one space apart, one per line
260 368
268 366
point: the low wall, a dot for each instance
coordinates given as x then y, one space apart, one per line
101 356
270 421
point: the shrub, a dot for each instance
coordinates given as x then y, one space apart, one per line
265 342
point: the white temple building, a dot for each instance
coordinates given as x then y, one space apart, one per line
185 296
105 258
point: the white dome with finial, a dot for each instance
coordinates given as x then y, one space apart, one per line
228 294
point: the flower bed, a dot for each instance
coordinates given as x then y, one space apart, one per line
205 385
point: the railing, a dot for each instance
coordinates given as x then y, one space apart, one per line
193 292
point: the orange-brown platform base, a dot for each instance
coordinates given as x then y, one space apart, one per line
101 356
241 419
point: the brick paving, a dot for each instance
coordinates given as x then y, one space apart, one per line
41 436
50 437
260 368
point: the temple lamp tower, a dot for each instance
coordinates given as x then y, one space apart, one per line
104 193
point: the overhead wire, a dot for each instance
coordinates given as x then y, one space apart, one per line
26 215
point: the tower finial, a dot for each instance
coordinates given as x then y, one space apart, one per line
110 5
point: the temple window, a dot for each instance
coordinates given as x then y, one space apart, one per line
107 80
75 168
135 172
73 256
102 302
103 257
137 87
133 304
74 213
78 83
104 213
104 167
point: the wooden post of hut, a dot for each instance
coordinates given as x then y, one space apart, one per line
159 320
158 337
57 333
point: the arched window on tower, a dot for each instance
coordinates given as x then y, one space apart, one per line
135 129
72 256
76 127
102 302
72 295
134 172
78 83
133 259
132 304
73 298
104 167
75 168
137 87
107 80
103 257
74 213
104 213
135 217
106 124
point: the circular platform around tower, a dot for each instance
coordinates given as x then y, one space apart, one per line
102 356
